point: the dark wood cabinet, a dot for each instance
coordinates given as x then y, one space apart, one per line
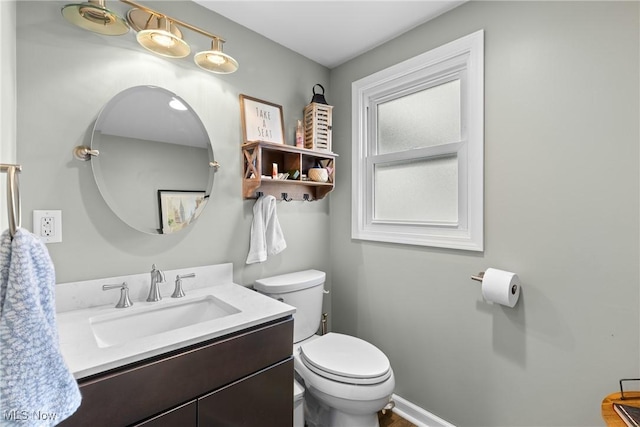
182 416
184 387
251 401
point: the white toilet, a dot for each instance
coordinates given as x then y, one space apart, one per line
347 380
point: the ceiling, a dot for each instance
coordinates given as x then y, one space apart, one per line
330 32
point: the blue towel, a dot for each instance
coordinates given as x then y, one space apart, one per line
36 387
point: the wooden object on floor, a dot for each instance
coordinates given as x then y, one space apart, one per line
610 416
391 419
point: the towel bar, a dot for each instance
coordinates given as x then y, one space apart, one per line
13 196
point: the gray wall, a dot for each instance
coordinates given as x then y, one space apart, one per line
561 209
65 76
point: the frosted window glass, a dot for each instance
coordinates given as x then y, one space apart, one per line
417 190
422 119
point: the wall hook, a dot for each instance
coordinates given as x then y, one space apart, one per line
286 197
259 194
307 198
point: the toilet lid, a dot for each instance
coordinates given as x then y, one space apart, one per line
346 359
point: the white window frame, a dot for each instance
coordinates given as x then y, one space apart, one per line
463 59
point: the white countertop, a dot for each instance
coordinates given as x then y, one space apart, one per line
85 357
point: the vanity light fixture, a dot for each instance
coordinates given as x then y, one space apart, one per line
94 16
215 60
158 34
165 33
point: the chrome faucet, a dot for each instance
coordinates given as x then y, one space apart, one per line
124 301
157 276
178 292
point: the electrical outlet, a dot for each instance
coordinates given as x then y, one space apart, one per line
48 226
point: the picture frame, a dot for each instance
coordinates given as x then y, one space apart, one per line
261 120
178 208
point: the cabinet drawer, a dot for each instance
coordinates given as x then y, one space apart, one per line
264 399
134 393
182 416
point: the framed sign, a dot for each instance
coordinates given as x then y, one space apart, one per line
178 208
261 120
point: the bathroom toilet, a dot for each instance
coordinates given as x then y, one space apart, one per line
346 379
298 408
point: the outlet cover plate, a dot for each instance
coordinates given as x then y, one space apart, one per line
47 225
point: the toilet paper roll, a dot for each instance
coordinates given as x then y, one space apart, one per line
501 287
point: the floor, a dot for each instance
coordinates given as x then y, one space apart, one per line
390 419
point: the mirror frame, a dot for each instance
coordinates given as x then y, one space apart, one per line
139 137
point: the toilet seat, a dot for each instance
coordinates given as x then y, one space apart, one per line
345 359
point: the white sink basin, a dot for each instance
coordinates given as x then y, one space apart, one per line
136 322
96 337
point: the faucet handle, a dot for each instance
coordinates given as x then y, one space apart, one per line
159 274
178 292
124 301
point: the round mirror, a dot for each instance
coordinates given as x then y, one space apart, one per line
153 167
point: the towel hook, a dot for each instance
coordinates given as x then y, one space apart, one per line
286 198
307 198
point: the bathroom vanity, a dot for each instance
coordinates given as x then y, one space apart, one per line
243 379
231 369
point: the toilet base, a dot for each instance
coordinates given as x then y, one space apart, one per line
349 420
318 414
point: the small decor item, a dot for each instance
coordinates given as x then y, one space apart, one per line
178 208
318 98
629 414
293 174
300 135
261 120
317 122
319 174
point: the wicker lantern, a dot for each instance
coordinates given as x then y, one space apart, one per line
317 123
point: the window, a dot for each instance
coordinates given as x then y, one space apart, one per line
418 137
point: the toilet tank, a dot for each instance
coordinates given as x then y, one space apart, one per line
303 290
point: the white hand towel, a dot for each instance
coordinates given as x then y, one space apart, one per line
36 387
266 234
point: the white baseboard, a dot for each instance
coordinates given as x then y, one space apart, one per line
415 414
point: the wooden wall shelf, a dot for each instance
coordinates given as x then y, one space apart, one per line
259 158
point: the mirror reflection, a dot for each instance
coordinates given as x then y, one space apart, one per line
153 168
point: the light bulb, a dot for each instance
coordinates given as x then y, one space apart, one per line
163 39
216 59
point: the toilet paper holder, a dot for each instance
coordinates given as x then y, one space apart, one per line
478 278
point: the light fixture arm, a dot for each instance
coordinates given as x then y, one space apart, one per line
174 20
